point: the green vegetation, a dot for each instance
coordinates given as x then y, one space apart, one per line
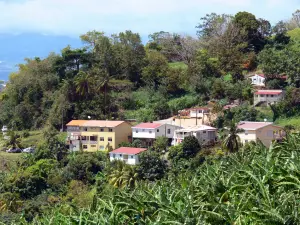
117 77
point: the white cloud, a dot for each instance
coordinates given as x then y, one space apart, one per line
78 16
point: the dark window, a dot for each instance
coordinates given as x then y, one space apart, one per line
114 155
84 138
109 139
93 146
85 129
84 147
136 131
157 130
101 138
272 96
132 156
93 138
110 130
121 155
204 132
169 131
101 129
150 132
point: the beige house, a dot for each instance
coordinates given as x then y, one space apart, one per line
268 96
266 132
206 135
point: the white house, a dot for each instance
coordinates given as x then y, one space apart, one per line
126 154
268 96
266 132
258 80
205 134
148 132
199 112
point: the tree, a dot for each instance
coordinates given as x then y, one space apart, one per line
160 144
156 68
14 140
151 166
123 176
232 142
190 147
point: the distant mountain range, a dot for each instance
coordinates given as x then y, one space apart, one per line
14 48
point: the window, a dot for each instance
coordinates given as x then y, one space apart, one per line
84 138
262 95
109 139
84 147
157 130
150 131
200 111
114 155
267 95
85 128
272 96
101 147
136 131
93 146
110 130
93 138
169 131
246 141
121 155
270 133
246 132
101 129
131 157
143 130
101 138
204 132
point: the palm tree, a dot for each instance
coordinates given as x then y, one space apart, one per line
83 83
232 141
123 176
14 140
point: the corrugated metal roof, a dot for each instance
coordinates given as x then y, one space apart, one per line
148 125
128 150
247 125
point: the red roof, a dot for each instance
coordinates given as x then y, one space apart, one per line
197 108
148 125
268 92
261 75
128 150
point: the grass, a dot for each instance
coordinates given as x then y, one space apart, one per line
294 121
8 161
33 139
178 65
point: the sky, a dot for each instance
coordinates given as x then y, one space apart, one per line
75 17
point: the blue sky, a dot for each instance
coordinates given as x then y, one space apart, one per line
75 17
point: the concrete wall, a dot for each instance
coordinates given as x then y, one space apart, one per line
123 134
128 159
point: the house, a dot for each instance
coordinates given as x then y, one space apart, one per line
206 135
268 96
199 112
258 80
126 154
94 135
148 132
266 132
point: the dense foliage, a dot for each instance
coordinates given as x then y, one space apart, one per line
117 77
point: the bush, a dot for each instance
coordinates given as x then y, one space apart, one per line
151 166
84 166
25 134
190 147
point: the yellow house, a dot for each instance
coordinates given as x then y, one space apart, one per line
95 135
266 132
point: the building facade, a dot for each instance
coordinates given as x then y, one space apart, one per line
268 96
126 154
95 135
206 135
266 132
148 132
258 80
